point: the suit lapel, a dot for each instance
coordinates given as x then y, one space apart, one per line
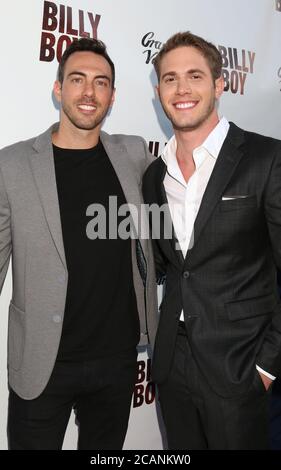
227 161
42 164
171 243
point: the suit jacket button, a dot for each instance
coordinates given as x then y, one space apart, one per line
186 274
56 318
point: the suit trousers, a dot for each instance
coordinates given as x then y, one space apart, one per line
275 415
196 418
100 392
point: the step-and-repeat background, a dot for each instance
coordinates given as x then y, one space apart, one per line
34 33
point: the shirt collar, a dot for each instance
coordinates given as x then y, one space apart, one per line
212 144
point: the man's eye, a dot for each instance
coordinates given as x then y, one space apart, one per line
169 79
77 80
102 83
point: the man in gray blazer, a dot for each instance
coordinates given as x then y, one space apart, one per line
80 302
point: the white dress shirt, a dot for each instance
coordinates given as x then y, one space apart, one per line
184 198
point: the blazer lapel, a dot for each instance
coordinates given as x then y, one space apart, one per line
43 168
119 158
226 163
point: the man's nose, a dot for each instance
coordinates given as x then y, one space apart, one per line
89 89
183 87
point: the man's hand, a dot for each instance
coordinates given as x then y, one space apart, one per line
266 380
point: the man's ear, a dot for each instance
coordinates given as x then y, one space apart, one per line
157 90
219 86
57 90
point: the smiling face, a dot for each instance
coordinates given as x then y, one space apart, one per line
187 90
86 92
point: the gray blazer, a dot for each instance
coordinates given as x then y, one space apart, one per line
30 230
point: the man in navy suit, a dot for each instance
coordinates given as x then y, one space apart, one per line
218 346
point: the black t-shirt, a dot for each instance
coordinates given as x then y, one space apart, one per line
101 312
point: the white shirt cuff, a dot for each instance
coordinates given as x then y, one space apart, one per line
265 373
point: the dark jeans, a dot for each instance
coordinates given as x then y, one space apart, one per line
100 392
197 418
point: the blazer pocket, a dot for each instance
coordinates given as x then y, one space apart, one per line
16 336
238 204
249 308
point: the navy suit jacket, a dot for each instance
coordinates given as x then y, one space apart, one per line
226 284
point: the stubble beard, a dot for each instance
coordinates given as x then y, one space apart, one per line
191 125
85 123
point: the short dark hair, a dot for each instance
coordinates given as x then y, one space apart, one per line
85 44
207 49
